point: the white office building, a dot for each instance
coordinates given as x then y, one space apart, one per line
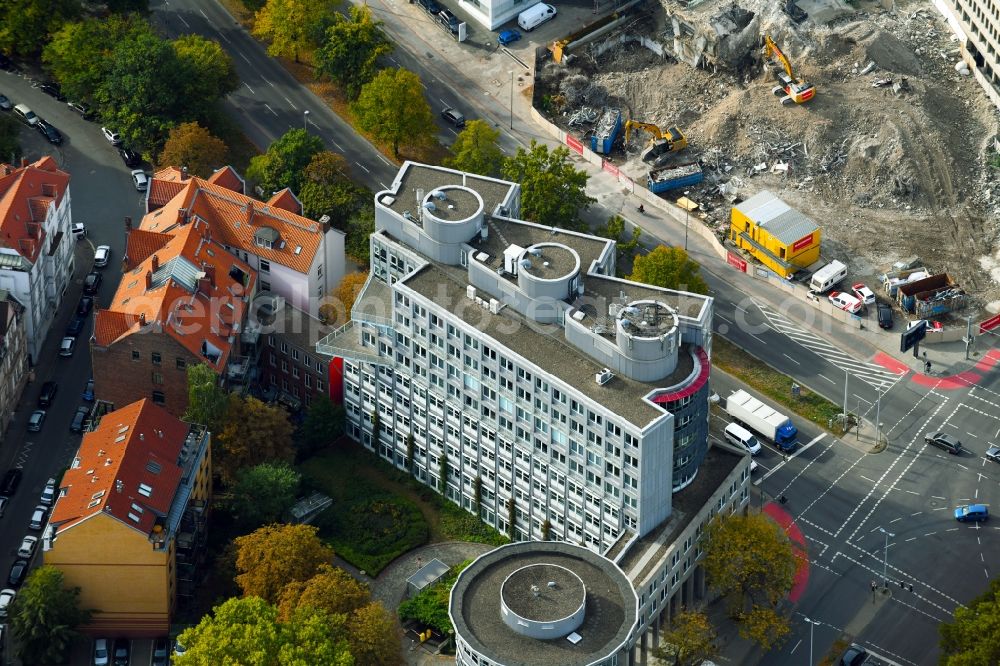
977 25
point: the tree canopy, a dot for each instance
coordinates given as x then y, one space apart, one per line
973 637
626 243
360 227
293 27
284 163
45 617
324 424
206 399
207 73
10 132
689 641
372 635
476 150
350 53
275 555
328 190
263 493
332 590
392 108
430 605
25 25
253 432
193 146
671 268
553 192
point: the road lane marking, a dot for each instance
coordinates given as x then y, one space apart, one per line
249 88
270 109
916 514
796 647
384 186
719 316
379 155
867 479
940 508
936 497
203 13
339 147
930 533
828 379
292 104
267 81
244 57
367 170
895 520
791 359
186 24
911 539
912 492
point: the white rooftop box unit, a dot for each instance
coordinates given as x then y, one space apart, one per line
603 377
470 292
510 258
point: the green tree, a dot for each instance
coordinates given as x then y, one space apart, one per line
671 268
193 146
332 590
750 560
121 6
273 556
263 493
314 637
284 163
207 73
25 25
45 617
373 637
293 26
615 230
360 227
392 108
352 48
327 189
511 518
429 606
253 432
10 145
689 641
410 446
476 150
323 425
973 637
443 473
207 401
553 192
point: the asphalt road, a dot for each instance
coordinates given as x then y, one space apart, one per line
102 195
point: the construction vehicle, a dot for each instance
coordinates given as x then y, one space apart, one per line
791 88
669 141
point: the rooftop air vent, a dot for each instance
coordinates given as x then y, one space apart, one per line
603 377
440 196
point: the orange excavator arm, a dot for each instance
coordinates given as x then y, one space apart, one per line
770 48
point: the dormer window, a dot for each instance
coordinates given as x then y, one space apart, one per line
265 237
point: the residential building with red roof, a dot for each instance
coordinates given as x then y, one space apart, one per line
13 358
36 243
183 299
297 258
130 518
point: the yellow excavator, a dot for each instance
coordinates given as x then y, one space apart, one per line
791 89
669 141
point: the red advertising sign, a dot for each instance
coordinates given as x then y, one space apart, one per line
989 324
737 262
802 242
574 144
610 168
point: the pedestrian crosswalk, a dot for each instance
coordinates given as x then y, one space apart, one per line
872 374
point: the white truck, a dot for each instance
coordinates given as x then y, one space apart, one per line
762 419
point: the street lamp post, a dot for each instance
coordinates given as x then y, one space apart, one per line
305 120
812 624
687 215
512 99
885 556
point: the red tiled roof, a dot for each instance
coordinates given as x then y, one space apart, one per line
286 200
140 244
234 218
228 178
26 193
185 289
134 448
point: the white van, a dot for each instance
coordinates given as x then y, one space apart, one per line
739 436
25 115
828 277
534 16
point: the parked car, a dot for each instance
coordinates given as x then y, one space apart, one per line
101 255
5 104
82 109
67 347
18 571
48 130
845 301
52 90
130 158
25 115
884 315
79 231
161 652
864 294
102 655
448 20
88 391
85 305
993 453
430 6
36 420
944 441
972 513
48 394
79 419
49 493
75 327
508 37
140 180
121 651
27 547
453 116
38 517
92 282
6 599
11 480
113 137
855 655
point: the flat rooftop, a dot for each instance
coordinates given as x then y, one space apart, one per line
605 290
503 233
647 553
456 205
421 178
543 592
545 346
610 612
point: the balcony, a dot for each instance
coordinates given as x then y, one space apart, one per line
345 342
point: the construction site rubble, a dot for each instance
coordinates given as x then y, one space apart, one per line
890 156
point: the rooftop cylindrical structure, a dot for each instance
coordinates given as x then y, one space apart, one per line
452 215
